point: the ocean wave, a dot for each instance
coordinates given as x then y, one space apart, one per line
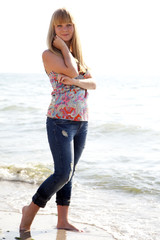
34 174
107 128
18 108
127 183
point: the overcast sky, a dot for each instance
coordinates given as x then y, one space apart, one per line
119 37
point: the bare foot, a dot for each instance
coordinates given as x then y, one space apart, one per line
68 226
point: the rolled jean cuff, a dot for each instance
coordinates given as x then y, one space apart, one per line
38 200
63 202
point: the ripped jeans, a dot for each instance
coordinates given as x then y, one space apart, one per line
67 140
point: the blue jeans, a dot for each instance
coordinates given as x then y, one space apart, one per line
67 140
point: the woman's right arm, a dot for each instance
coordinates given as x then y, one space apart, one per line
64 65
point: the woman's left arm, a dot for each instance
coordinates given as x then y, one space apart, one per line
86 83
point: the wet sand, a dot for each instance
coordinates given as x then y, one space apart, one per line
43 228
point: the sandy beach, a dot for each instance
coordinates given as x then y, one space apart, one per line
44 229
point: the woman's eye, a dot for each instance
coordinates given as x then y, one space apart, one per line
69 25
59 25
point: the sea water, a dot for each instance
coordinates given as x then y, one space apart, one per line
117 181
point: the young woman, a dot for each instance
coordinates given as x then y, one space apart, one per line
67 117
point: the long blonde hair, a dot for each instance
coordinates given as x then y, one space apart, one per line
63 16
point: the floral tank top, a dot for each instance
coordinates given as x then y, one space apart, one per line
68 101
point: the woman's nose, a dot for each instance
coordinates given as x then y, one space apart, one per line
65 28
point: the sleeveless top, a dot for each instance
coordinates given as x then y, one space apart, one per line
68 101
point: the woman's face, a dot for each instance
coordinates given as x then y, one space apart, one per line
64 31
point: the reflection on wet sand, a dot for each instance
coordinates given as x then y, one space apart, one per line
26 235
61 235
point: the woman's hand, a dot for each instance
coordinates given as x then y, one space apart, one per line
59 43
87 75
65 79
